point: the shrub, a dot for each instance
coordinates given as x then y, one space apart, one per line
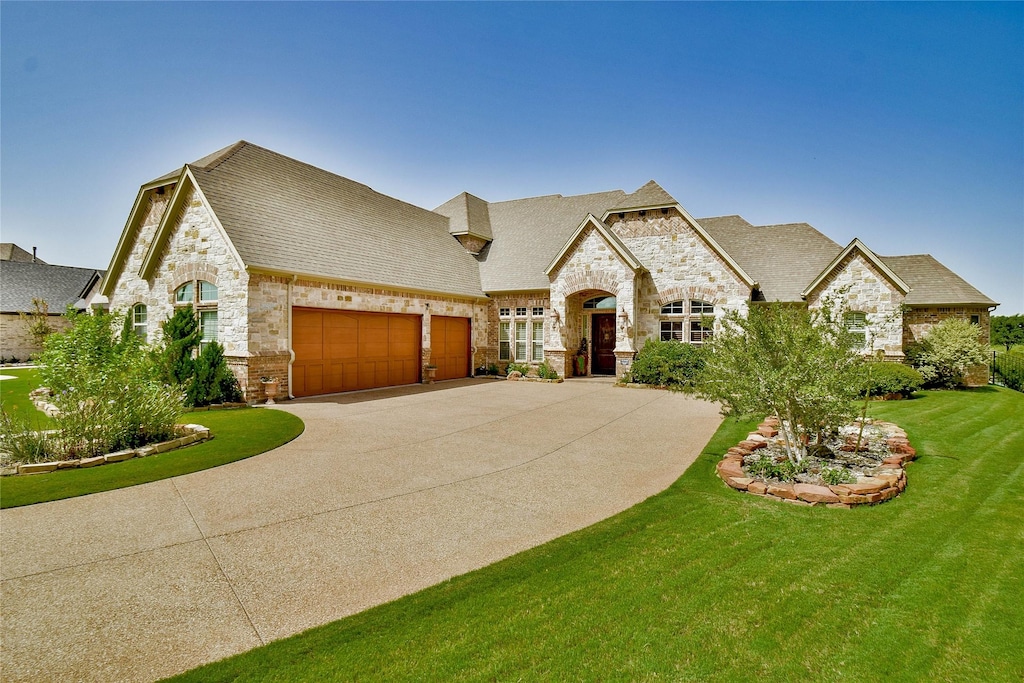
21 438
492 369
670 364
545 371
881 379
833 476
522 368
766 468
948 352
212 381
107 389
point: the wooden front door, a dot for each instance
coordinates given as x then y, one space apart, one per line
603 343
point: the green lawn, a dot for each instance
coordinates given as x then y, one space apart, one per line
14 394
705 583
238 434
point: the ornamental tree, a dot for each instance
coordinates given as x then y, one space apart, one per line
948 352
787 360
1008 330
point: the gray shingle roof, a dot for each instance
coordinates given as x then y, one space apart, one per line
59 286
932 283
282 214
467 214
783 259
650 195
529 232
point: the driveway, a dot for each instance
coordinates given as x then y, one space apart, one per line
385 493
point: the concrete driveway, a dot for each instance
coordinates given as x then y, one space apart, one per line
384 494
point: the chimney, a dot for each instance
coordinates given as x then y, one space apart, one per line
33 254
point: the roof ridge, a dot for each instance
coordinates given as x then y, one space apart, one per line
212 161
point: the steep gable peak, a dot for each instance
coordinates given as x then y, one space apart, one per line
650 195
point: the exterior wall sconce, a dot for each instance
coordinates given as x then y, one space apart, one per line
556 316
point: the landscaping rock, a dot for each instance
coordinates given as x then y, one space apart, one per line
146 451
740 483
37 467
119 456
784 491
729 468
68 464
751 445
815 494
758 487
92 462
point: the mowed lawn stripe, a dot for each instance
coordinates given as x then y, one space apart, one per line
704 583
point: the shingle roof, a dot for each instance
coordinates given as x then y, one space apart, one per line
12 252
467 214
650 195
59 286
282 214
782 259
932 283
529 232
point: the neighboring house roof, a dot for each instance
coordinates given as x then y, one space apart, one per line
933 284
782 259
12 252
529 232
285 215
58 286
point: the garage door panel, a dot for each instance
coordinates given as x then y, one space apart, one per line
348 350
449 346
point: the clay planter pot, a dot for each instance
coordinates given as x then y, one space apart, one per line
270 389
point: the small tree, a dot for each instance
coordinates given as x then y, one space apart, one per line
948 352
1008 330
213 381
789 361
180 338
38 321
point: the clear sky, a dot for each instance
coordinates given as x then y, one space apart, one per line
900 124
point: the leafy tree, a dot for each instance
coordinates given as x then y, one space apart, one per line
948 352
1008 330
38 321
787 360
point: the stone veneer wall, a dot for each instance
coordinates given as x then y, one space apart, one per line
863 288
681 266
195 249
17 342
269 336
591 265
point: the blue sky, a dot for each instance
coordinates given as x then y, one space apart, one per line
901 124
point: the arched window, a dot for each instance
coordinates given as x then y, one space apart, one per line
687 321
600 302
202 296
139 320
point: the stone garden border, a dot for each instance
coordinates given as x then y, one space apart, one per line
516 376
888 480
189 434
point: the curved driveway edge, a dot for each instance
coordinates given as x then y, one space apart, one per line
385 493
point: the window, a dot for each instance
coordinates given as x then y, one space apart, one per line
975 319
673 308
537 335
139 317
538 311
208 326
691 323
671 330
601 302
504 350
504 312
857 326
202 296
521 340
521 312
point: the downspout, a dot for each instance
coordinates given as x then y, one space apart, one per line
291 350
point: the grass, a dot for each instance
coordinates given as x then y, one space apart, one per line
238 434
704 583
14 394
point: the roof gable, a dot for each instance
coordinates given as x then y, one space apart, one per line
650 196
467 215
932 283
859 247
616 244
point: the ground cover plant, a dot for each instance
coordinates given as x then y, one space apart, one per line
705 583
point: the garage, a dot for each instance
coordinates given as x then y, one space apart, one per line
349 350
449 346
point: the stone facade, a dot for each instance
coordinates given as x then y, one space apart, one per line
859 286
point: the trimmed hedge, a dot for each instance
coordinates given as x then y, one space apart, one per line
891 378
669 364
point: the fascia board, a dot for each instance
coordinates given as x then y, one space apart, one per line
717 248
127 240
652 207
856 245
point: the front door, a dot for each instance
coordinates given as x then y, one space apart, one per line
603 336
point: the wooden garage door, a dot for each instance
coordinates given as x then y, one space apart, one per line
449 346
347 350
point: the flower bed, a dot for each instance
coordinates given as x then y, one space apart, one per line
188 435
874 472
